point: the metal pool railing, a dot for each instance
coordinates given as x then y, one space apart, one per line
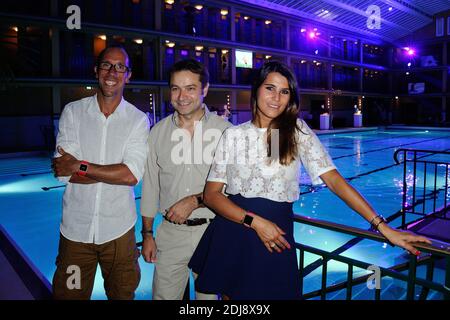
430 255
418 192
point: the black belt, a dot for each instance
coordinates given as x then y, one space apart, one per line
193 222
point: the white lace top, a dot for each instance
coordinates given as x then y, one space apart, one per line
241 163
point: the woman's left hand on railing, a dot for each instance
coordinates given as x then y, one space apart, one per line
404 239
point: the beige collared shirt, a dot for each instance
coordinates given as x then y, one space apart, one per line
177 165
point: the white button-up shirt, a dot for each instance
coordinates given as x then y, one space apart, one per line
101 212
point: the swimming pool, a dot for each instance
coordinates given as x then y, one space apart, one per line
31 215
366 160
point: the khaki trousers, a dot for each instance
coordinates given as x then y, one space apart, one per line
175 246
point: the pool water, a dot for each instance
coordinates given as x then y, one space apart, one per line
366 159
32 215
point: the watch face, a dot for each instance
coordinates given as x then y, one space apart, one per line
248 220
83 167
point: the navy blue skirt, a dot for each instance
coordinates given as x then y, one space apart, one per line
231 259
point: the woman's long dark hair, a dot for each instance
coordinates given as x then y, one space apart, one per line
286 122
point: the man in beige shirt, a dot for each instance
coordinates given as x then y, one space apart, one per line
181 148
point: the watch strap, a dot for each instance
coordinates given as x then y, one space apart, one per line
84 166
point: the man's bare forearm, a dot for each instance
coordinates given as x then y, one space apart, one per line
147 223
75 178
68 165
112 173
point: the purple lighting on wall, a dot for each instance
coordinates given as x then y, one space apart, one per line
409 51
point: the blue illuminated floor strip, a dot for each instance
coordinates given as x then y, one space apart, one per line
387 148
55 187
342 145
35 173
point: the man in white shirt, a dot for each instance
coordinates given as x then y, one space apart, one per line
101 152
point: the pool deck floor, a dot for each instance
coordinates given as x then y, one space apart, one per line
12 288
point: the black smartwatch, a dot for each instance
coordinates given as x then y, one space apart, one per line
199 200
248 219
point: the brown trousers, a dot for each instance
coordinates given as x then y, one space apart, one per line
77 264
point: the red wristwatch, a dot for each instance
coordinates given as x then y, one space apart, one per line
84 165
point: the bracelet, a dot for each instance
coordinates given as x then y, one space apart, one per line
375 226
383 220
371 221
143 232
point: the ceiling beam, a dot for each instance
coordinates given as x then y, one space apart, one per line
416 12
363 13
269 5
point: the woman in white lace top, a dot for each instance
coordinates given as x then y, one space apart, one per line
247 251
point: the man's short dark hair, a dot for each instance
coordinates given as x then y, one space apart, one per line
114 46
193 66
